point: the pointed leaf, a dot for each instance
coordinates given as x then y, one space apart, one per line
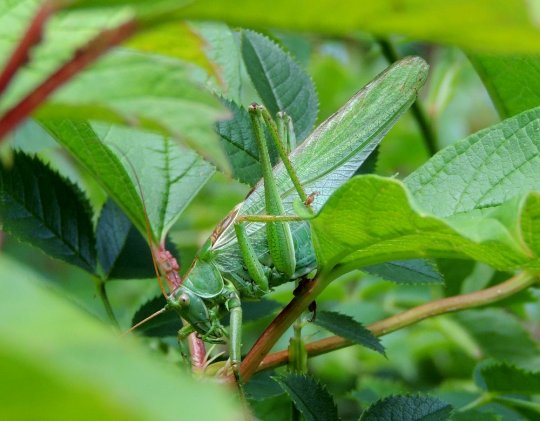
482 170
348 328
309 396
120 158
416 271
505 378
280 81
513 82
40 207
408 408
240 145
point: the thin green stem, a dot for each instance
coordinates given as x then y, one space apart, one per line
520 403
483 399
270 218
435 308
102 292
428 133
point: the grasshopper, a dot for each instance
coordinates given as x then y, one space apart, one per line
262 243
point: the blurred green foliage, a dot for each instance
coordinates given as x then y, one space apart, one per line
53 325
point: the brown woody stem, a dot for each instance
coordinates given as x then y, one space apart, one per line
412 316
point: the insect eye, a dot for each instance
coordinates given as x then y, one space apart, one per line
183 300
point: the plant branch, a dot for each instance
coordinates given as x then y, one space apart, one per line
281 323
412 316
430 139
83 57
31 37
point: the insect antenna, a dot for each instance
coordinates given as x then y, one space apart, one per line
135 326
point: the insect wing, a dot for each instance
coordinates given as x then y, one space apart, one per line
330 156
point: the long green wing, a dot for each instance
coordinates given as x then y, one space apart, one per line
330 156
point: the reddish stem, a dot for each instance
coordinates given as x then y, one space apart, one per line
32 37
279 325
414 315
81 59
198 352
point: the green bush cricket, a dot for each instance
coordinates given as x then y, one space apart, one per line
262 243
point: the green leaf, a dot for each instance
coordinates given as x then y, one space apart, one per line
348 328
163 40
222 49
122 251
505 378
408 408
124 86
371 219
90 372
309 396
280 81
143 90
506 26
240 145
166 324
502 336
40 207
513 82
263 386
417 271
370 164
482 170
121 158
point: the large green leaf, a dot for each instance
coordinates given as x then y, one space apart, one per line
408 408
503 25
80 369
42 208
143 90
282 84
482 170
371 219
124 86
513 82
309 396
121 159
